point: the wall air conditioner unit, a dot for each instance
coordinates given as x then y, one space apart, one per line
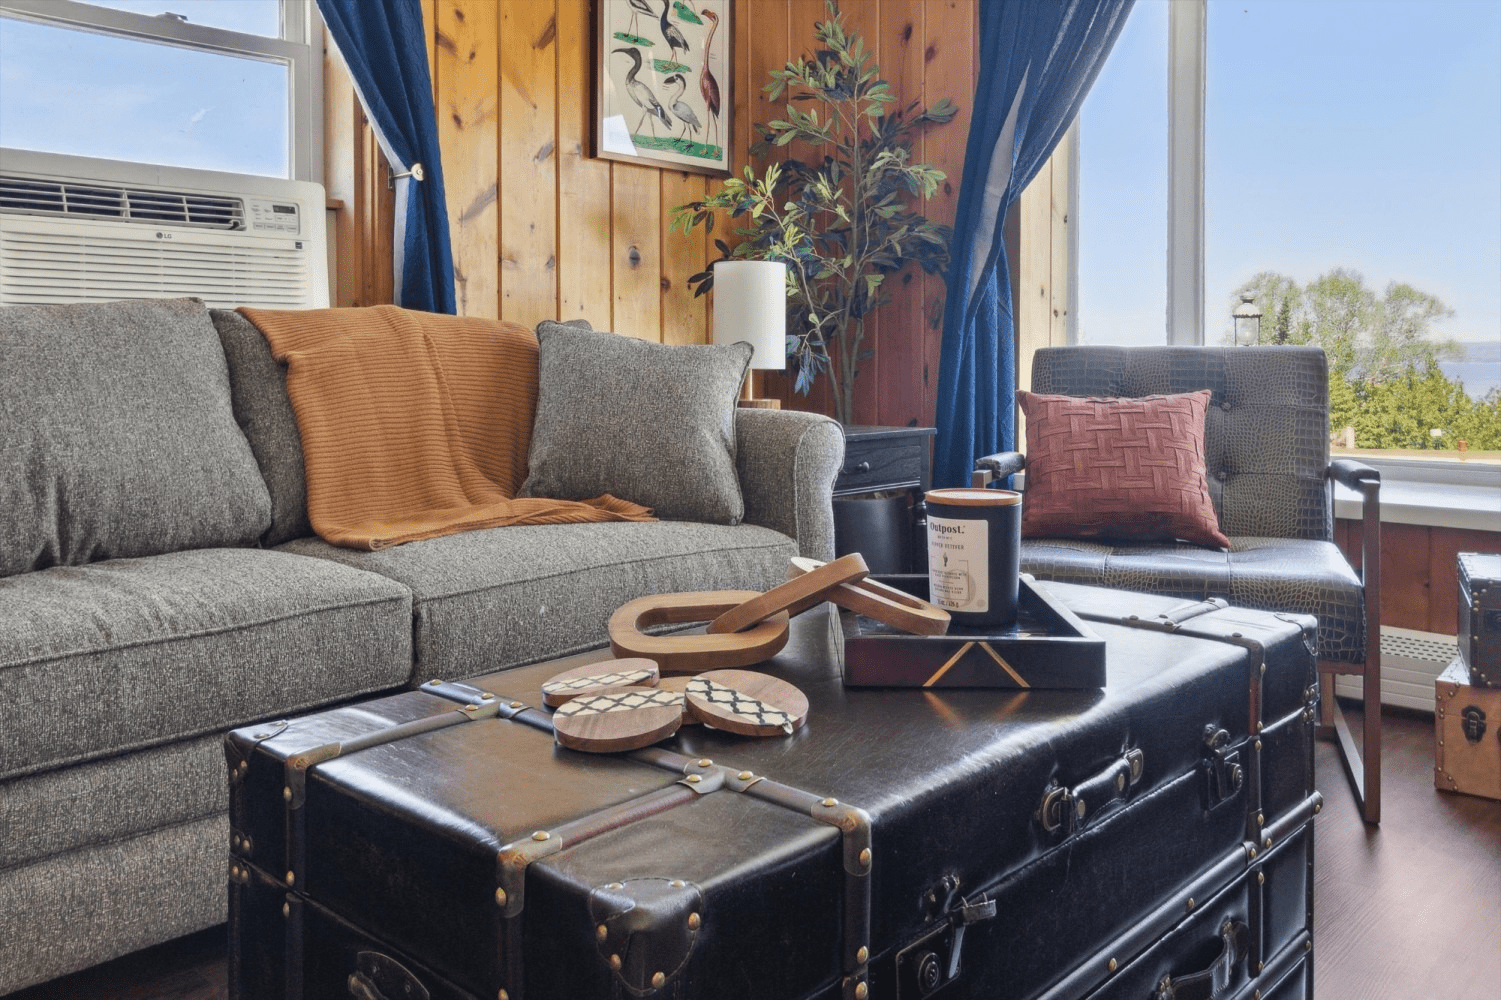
76 229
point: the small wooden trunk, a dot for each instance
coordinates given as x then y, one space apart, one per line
1480 616
1467 736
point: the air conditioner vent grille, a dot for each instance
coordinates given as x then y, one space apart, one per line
30 196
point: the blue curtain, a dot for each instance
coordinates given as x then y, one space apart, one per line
1038 59
383 45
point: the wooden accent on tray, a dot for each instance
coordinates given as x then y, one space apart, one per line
746 702
691 653
799 593
623 718
634 671
885 604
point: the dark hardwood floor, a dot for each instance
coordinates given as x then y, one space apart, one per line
1407 911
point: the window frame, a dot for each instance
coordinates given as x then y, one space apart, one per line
299 48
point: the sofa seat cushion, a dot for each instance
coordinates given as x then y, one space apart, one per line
1269 574
488 600
121 796
130 653
117 436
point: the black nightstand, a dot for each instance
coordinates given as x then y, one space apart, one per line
884 530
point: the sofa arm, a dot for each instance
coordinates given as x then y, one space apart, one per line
989 468
1353 475
787 461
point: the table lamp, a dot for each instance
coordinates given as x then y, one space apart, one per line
750 304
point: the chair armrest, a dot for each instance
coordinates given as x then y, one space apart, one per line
1354 475
989 468
787 461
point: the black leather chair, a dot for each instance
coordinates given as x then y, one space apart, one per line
1270 478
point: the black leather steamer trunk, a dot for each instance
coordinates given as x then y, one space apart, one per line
902 843
1480 616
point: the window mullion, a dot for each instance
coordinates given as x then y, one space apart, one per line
1185 209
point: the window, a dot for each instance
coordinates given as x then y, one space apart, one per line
1341 163
231 85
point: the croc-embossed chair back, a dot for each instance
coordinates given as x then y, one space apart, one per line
1266 450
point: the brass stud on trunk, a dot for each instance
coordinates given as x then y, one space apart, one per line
863 955
500 897
694 921
601 933
658 980
1112 965
615 962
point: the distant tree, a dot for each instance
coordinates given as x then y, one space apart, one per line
1384 374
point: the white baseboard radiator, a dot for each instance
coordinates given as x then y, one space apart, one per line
1410 662
78 229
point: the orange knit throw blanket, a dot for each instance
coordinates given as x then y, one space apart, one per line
415 424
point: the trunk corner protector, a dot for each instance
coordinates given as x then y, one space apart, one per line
854 824
511 863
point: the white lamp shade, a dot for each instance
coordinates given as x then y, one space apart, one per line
750 304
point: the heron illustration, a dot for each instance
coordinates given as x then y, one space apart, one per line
708 87
638 7
680 107
642 95
671 33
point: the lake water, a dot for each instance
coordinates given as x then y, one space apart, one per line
1479 369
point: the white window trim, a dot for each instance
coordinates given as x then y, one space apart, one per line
1187 21
300 48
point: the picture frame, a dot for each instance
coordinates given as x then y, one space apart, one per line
663 72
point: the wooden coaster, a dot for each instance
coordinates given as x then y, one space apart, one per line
887 605
623 718
745 702
679 683
799 593
689 654
633 672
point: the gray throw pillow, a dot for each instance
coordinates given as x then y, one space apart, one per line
117 438
649 423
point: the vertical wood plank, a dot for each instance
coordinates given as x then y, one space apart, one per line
871 382
583 183
635 251
465 77
761 43
685 319
949 57
898 377
1445 545
1060 219
528 147
1405 581
340 153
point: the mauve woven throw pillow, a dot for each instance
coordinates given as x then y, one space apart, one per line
650 423
117 438
1130 468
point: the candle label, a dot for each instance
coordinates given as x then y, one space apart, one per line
959 564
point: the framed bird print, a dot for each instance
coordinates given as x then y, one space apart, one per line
663 72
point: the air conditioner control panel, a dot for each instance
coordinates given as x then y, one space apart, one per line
264 215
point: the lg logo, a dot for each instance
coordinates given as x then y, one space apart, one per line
164 236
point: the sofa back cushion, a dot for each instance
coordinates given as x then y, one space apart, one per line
117 438
264 411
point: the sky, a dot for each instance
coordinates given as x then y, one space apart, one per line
1363 134
90 95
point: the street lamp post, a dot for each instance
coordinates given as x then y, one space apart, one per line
1247 321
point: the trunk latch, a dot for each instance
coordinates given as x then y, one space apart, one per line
1222 768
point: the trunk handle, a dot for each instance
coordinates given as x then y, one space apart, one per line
1210 983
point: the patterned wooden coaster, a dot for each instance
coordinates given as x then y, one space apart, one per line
885 604
625 718
632 672
746 702
679 683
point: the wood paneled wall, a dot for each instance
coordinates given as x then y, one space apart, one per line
1419 588
541 230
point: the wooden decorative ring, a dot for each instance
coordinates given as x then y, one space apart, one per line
798 594
885 604
689 654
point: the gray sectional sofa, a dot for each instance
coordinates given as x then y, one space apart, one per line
160 584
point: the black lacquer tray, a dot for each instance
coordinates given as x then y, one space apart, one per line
1048 647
